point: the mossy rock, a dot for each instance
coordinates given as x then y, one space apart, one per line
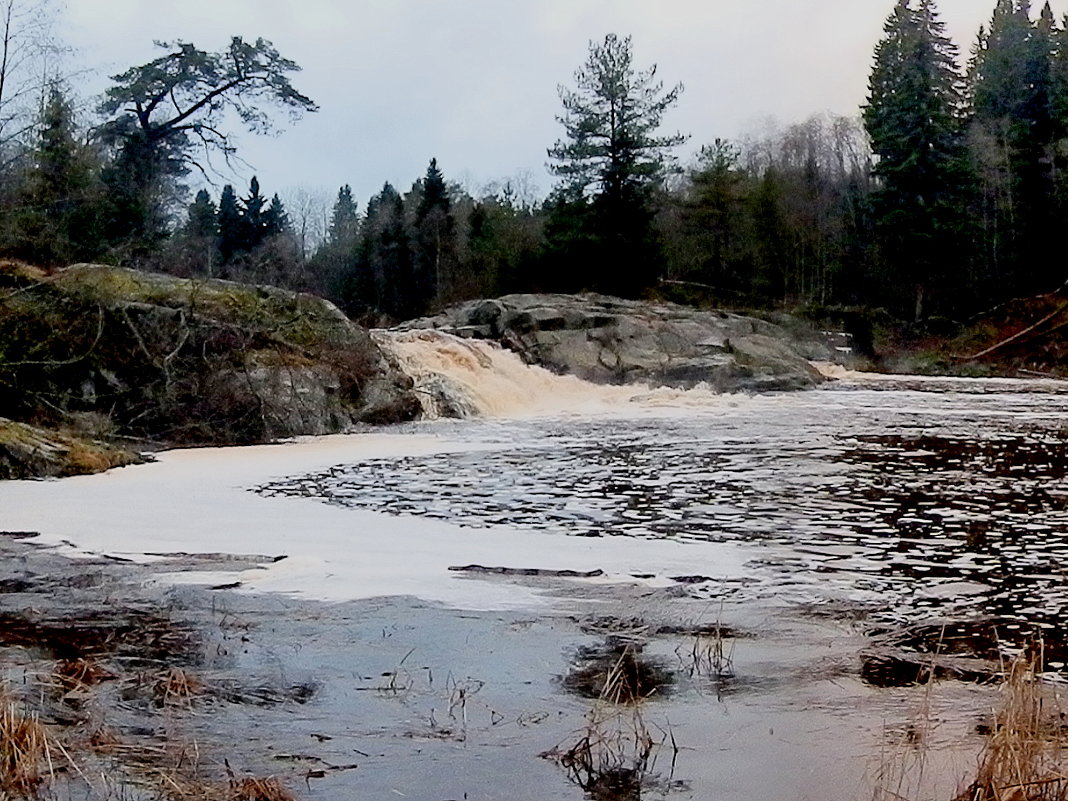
185 361
30 452
299 319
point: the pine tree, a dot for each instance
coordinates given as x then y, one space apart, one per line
613 154
912 119
169 115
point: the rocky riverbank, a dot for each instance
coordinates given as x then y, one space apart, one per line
95 355
610 340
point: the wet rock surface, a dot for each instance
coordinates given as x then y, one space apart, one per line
609 340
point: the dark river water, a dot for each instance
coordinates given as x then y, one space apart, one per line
911 495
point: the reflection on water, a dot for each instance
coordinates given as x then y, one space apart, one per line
917 497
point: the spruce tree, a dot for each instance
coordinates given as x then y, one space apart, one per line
435 241
333 265
197 244
712 213
275 218
202 218
231 224
1059 80
253 216
383 278
344 220
57 220
1012 133
912 120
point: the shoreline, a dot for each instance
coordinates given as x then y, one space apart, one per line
393 696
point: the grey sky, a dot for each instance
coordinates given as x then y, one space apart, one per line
473 82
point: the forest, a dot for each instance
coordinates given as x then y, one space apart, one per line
941 198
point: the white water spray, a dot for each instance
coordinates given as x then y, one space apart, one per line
457 377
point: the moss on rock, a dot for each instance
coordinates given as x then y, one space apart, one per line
30 452
185 361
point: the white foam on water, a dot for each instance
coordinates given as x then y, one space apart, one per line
198 501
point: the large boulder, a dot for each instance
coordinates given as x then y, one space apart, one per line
191 361
609 340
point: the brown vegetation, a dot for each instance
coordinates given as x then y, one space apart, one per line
24 751
615 753
1024 758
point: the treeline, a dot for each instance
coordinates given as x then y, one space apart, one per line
776 220
943 197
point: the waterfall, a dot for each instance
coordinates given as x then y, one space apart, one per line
457 377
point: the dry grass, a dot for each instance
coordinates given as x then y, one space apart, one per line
252 789
616 751
177 688
85 457
25 759
900 775
74 679
618 672
176 774
1024 757
710 657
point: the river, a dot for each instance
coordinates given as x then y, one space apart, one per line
811 524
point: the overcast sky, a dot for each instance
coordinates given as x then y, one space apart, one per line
474 82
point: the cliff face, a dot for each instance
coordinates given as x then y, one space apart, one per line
608 340
107 350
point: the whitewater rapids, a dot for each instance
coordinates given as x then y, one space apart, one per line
457 377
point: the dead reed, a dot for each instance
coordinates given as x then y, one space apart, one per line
1024 758
901 769
618 671
616 751
177 688
25 758
253 789
710 657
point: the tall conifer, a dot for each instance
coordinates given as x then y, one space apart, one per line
912 119
1012 133
435 240
231 222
